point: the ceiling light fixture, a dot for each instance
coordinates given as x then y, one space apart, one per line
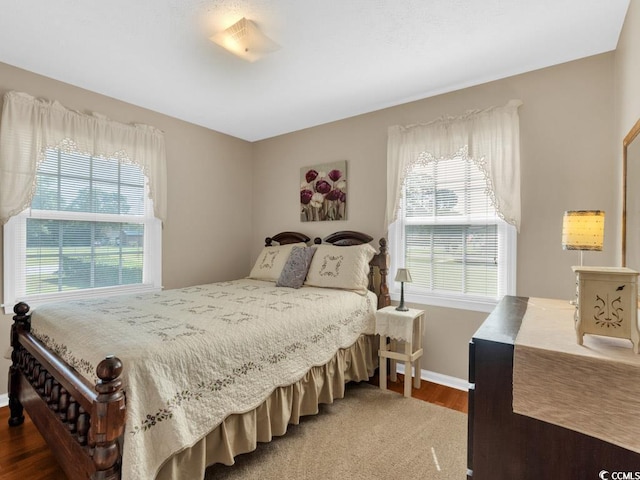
245 40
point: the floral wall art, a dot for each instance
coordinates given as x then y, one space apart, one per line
323 192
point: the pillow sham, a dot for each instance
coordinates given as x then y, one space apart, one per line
346 268
271 260
295 269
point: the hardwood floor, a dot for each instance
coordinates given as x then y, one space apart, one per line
25 456
431 392
23 453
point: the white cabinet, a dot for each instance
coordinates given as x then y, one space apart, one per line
607 303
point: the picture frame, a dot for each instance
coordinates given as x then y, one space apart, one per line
323 192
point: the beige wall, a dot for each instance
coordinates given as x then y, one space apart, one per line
627 86
207 234
627 73
566 125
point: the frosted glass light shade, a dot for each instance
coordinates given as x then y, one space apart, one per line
245 40
583 230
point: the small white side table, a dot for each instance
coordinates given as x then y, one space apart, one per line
406 327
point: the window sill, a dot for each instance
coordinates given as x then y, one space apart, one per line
460 302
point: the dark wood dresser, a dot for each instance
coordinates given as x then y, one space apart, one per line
503 445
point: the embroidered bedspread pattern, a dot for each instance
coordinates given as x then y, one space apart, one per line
193 356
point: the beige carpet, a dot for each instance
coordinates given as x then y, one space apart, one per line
369 434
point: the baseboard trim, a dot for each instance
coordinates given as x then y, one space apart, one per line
4 400
435 377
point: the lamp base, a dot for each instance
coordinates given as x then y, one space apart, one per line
401 307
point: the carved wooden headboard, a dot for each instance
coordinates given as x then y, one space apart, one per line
284 238
379 264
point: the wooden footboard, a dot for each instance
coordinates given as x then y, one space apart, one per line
82 423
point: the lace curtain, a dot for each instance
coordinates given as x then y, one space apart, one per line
30 126
491 139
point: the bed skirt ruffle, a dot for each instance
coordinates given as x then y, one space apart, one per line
240 433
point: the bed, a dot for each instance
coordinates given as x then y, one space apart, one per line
202 373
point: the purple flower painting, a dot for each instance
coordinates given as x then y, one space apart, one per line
323 192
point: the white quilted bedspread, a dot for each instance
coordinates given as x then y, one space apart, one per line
193 356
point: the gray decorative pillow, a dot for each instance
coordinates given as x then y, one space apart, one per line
295 269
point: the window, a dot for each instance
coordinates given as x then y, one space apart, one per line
453 206
90 230
82 198
460 253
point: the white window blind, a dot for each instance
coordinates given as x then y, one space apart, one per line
450 237
90 228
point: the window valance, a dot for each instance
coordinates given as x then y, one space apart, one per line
30 126
492 141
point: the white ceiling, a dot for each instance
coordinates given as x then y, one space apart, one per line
339 58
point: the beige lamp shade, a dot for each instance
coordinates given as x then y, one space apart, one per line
403 275
583 230
245 40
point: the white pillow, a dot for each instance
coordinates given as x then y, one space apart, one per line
341 267
271 261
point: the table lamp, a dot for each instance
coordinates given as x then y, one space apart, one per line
583 230
402 276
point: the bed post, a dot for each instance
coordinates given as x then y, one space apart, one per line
384 299
108 420
21 322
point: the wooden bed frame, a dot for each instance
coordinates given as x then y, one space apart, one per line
83 423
